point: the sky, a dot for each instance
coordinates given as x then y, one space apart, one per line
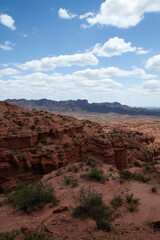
100 50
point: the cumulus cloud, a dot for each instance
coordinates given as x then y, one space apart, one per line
86 15
65 14
8 71
123 13
64 86
8 21
50 63
7 46
113 47
153 63
113 71
152 85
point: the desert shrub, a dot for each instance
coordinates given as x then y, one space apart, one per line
97 174
154 189
73 182
75 168
141 178
9 235
117 201
132 202
1 203
58 173
67 180
125 174
129 197
91 205
132 207
34 197
37 236
92 162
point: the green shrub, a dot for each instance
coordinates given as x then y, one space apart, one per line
141 178
92 162
91 205
117 201
154 189
1 203
34 197
132 202
9 235
129 197
58 173
37 236
125 174
97 174
67 180
74 183
75 168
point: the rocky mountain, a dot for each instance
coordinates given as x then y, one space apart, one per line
82 106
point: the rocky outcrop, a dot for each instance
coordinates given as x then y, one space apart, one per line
81 106
33 143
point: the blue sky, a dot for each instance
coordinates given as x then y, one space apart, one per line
103 51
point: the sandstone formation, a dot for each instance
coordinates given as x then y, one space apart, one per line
33 143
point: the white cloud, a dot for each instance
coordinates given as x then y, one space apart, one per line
63 86
7 46
123 13
49 63
8 71
65 14
86 15
8 21
141 51
113 71
153 63
152 85
113 47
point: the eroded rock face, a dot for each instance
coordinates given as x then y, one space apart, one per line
33 143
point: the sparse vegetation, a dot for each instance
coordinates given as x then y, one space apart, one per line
117 201
154 189
9 235
125 174
37 236
132 202
32 198
91 205
73 182
95 174
92 162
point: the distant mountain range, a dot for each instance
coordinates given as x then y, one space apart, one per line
82 106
